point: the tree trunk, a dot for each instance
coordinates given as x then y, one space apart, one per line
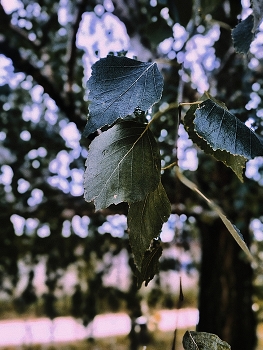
225 300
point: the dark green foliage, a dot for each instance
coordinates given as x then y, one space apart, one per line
150 264
145 220
242 35
222 130
235 162
123 165
118 86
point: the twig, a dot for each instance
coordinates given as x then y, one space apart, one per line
72 50
23 65
67 106
231 228
5 20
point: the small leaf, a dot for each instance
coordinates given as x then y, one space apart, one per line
242 35
235 162
145 220
203 341
150 264
119 85
123 165
222 130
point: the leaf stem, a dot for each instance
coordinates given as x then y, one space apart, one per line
190 103
173 105
231 228
158 114
170 166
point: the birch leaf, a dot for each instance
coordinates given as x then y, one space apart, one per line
145 220
235 162
150 264
123 165
203 341
119 85
224 131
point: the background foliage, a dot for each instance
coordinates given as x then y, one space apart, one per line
47 49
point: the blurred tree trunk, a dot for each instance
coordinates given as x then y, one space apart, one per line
226 289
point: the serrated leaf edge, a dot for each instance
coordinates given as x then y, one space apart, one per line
93 199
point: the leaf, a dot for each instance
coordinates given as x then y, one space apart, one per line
119 85
231 228
222 130
203 341
235 162
123 165
150 264
242 35
145 220
257 13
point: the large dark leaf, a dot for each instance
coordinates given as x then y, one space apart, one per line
119 85
123 165
145 220
224 131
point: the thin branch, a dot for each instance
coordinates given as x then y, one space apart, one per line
23 65
5 21
160 113
23 34
67 106
231 228
170 166
72 51
129 13
173 105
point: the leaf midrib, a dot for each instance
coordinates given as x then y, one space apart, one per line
123 158
124 92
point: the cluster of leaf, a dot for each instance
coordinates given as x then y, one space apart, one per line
123 163
53 67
